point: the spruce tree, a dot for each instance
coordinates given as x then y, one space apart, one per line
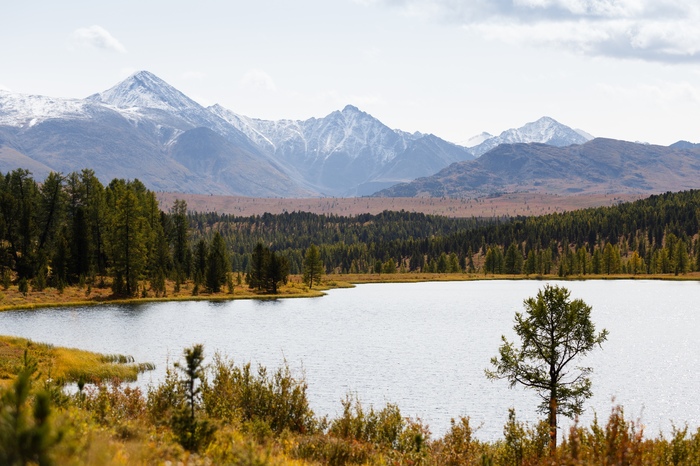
276 272
258 267
218 264
313 267
129 232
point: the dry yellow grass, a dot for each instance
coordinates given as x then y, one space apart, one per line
12 299
64 364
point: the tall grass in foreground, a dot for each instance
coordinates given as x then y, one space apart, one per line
225 413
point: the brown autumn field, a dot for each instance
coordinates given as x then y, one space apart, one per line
504 205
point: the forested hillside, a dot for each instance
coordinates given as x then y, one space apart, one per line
654 235
73 230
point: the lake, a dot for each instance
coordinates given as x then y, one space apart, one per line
423 346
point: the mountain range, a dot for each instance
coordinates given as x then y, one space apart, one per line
599 166
546 130
145 128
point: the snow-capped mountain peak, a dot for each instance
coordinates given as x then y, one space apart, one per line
350 109
542 130
546 130
476 140
145 90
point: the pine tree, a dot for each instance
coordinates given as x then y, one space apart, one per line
259 266
129 232
554 332
682 261
52 206
18 205
200 261
218 264
180 232
192 432
513 261
313 267
276 273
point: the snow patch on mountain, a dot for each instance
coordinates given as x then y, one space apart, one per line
21 110
145 90
583 133
546 130
253 128
476 140
350 131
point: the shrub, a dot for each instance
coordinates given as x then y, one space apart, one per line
237 393
23 286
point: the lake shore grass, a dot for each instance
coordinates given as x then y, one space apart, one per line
75 296
114 424
65 364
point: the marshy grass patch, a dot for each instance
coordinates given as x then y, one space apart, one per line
66 364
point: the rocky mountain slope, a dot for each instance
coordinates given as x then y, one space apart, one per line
597 167
348 152
144 128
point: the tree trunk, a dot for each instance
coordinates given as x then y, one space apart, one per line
552 424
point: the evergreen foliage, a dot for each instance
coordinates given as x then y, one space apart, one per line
268 270
589 241
217 264
192 431
71 229
313 267
554 333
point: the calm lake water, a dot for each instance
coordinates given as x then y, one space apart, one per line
423 346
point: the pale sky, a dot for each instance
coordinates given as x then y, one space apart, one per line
626 69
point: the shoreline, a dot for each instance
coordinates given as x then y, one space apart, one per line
51 298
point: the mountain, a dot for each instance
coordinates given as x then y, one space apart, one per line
141 128
348 152
546 130
145 128
476 140
598 166
145 90
684 145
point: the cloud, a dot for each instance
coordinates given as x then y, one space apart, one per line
652 30
97 37
662 93
258 80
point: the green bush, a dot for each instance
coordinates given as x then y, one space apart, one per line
237 393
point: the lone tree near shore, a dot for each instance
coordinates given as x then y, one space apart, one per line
554 333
